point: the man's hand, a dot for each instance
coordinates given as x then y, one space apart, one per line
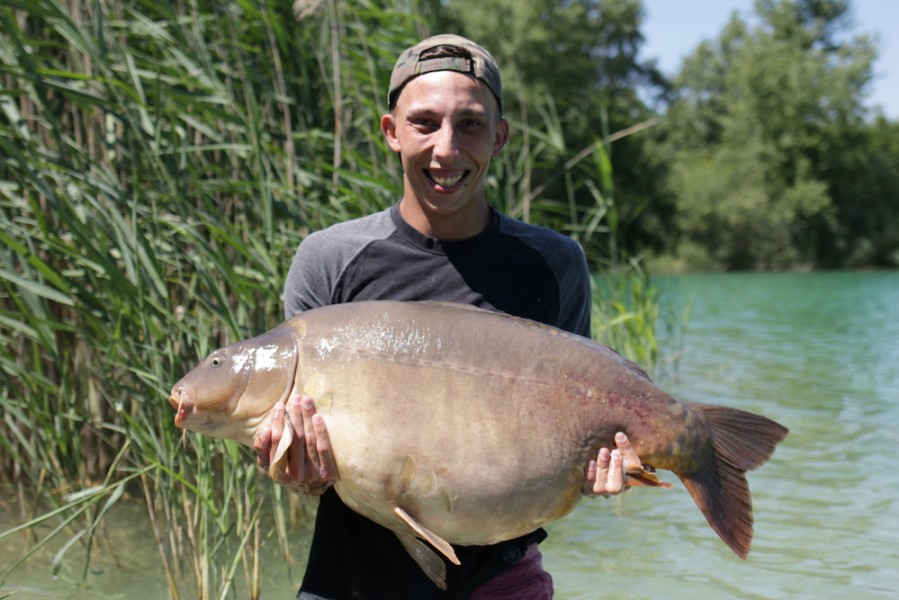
308 465
607 475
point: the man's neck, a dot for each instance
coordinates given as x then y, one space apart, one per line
459 226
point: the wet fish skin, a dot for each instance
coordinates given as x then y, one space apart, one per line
464 426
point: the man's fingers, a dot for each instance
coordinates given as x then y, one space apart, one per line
262 445
603 458
276 422
296 465
589 477
295 414
308 467
628 454
276 425
327 469
615 482
267 441
306 408
610 475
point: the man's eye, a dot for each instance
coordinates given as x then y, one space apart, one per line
473 124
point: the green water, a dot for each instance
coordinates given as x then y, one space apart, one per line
817 352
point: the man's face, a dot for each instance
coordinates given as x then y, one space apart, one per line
446 127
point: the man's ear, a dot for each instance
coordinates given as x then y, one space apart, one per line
388 127
502 136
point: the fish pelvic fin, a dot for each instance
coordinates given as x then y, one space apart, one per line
643 476
740 441
435 540
424 556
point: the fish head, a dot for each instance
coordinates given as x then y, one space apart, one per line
234 388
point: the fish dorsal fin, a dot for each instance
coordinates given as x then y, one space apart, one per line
454 305
425 557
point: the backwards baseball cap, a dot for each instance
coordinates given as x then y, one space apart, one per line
411 64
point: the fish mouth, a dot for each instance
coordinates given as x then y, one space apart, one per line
182 404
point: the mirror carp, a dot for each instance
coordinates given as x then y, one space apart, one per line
457 425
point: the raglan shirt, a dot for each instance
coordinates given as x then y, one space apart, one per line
514 267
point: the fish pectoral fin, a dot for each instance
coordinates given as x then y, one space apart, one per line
640 476
432 538
278 467
426 558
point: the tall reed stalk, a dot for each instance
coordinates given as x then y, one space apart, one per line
160 163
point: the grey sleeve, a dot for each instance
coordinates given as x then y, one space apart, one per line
568 263
575 292
311 277
322 258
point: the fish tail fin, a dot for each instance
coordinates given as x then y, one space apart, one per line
739 441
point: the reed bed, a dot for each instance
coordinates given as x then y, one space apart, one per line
160 163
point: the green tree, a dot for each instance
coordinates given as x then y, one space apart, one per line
864 185
571 74
760 129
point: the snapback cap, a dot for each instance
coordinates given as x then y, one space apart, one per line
410 65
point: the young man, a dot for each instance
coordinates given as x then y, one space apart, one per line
441 242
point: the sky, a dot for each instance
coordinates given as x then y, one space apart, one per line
673 29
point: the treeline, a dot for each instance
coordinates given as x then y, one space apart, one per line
763 155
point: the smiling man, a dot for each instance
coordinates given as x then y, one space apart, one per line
442 241
446 128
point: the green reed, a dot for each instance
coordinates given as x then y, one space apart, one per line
161 161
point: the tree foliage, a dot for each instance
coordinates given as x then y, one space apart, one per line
765 132
575 66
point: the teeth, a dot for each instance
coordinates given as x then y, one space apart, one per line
447 181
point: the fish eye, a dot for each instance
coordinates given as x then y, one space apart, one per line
217 361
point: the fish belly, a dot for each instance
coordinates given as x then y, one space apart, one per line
477 426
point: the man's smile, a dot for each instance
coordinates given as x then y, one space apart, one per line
446 179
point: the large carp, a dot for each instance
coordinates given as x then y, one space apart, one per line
463 426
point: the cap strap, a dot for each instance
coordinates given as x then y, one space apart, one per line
445 63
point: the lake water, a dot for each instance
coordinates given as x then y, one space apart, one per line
817 352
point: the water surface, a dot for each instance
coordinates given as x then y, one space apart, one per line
817 352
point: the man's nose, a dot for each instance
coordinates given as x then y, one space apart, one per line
446 141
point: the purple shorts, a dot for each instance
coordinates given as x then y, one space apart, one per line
525 580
